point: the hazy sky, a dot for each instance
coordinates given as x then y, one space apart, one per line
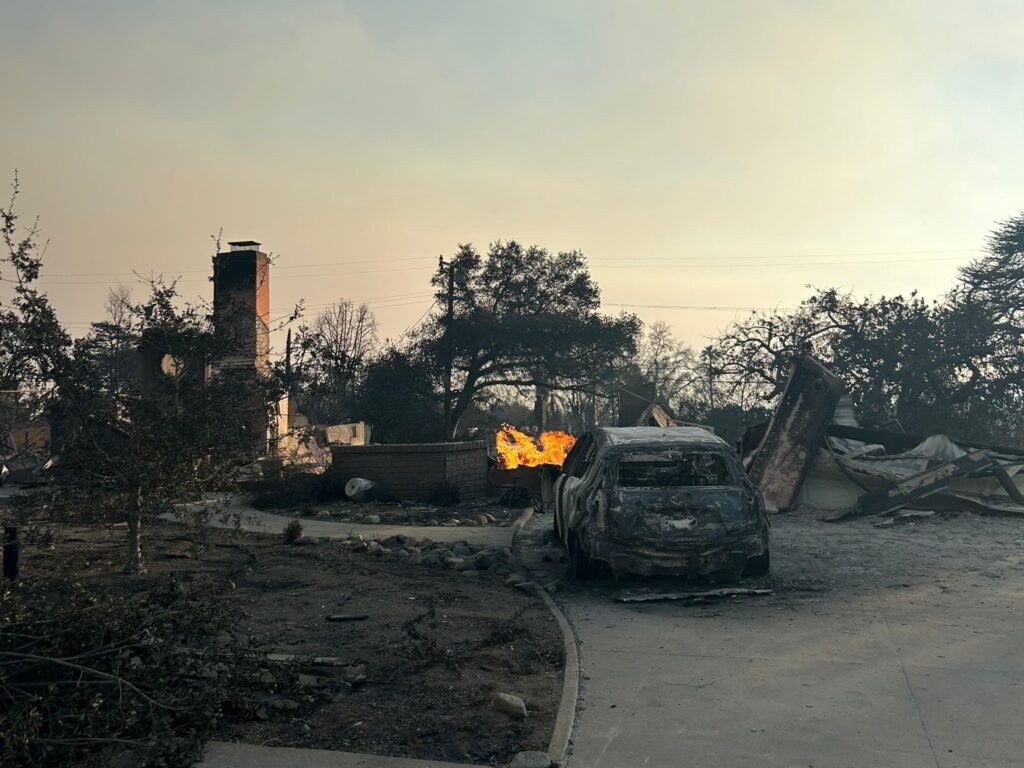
702 154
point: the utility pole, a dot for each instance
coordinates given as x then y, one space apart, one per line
288 361
456 279
448 352
711 377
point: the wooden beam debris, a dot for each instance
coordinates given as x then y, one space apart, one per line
915 487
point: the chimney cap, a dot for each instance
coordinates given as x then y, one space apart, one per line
244 245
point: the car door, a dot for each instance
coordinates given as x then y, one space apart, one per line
574 476
567 478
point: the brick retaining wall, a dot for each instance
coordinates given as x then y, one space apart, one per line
413 470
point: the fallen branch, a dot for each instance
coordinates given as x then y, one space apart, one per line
90 671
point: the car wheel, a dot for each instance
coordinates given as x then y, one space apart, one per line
758 566
582 565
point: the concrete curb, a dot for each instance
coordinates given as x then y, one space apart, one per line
566 717
523 519
517 527
224 754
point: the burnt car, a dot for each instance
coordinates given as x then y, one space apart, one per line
652 501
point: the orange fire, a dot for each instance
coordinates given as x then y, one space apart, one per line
518 449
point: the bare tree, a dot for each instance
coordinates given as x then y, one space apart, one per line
666 362
119 305
113 342
332 353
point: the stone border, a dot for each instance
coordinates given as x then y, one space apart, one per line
461 447
566 717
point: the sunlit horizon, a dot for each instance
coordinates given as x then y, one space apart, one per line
707 159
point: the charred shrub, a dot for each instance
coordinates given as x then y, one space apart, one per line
505 630
90 677
295 490
39 535
517 496
423 644
445 494
292 532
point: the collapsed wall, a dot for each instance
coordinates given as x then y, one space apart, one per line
790 445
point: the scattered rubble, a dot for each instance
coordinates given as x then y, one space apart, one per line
509 704
460 557
354 675
25 468
481 512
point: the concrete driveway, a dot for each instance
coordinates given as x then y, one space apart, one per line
880 647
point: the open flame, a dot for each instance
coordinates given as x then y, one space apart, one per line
518 449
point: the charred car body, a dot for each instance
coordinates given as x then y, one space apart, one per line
659 501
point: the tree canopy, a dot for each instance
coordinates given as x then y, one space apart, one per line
955 364
523 317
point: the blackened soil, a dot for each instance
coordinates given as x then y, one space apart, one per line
435 644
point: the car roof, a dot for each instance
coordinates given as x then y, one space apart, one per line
672 435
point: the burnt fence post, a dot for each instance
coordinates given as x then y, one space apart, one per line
11 547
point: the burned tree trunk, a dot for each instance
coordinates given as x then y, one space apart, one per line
11 549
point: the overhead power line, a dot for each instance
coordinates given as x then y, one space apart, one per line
605 262
659 267
732 264
699 308
799 255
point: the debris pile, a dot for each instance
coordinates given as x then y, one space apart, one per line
814 453
25 453
873 476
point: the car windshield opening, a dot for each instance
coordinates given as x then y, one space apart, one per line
673 469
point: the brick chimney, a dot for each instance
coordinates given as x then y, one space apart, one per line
241 307
241 318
